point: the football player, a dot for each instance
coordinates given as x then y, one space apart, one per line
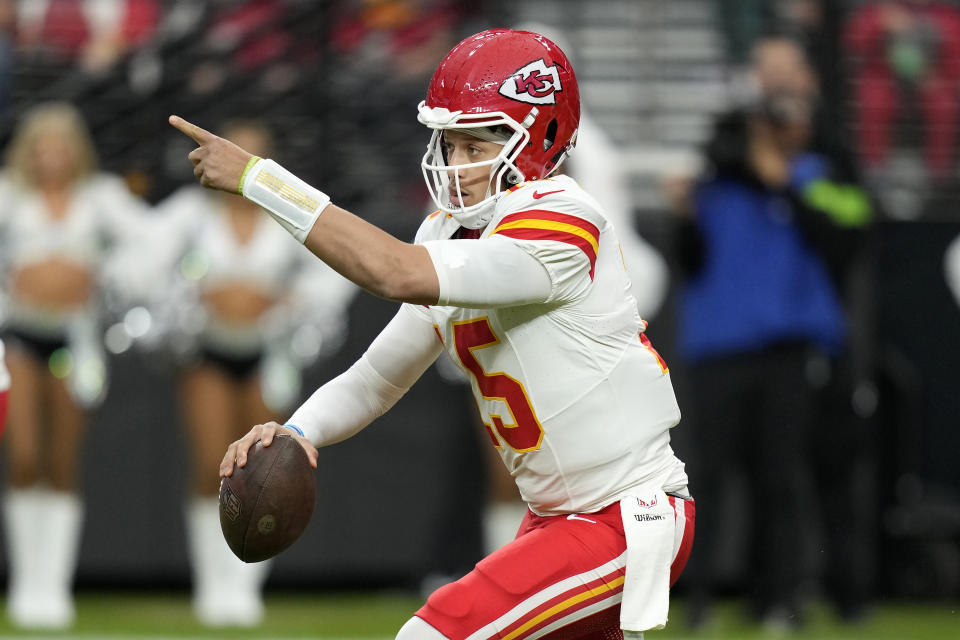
519 277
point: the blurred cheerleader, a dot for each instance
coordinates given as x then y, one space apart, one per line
247 308
59 221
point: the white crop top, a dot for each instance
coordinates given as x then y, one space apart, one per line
193 239
102 212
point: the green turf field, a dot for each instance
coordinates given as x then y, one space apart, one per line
113 616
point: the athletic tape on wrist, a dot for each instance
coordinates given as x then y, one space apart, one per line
291 201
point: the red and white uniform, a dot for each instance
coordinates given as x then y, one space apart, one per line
575 399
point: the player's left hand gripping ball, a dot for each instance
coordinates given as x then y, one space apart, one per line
266 504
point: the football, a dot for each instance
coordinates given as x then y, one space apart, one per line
266 504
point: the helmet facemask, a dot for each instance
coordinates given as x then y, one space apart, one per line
443 178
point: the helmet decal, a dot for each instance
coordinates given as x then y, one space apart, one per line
534 82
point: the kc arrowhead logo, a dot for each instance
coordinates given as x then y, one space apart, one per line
535 83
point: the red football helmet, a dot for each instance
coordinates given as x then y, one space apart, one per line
501 80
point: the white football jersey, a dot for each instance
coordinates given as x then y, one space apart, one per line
573 396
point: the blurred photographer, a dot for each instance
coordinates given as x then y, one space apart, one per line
767 238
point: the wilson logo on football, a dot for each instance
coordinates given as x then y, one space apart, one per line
534 82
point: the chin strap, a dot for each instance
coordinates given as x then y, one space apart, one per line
476 218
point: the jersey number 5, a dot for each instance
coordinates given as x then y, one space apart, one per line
525 434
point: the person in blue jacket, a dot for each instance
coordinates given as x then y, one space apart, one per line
769 233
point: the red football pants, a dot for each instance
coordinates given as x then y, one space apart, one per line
562 578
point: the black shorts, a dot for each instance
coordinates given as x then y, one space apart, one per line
38 347
239 367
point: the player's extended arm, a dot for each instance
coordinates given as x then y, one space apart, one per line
473 274
361 252
368 389
396 359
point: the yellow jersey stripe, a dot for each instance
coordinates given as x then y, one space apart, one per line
533 223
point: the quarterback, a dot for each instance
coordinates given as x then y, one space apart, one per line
519 277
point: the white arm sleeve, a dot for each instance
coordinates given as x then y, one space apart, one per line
487 273
375 382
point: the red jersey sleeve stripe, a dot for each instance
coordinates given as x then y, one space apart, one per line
523 233
543 214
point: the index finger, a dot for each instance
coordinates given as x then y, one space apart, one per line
229 458
198 134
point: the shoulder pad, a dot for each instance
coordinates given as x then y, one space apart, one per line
560 194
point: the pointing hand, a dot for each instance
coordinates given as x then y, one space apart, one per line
217 163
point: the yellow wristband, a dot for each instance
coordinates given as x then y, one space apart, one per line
243 176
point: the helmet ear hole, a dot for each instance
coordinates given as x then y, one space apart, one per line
550 136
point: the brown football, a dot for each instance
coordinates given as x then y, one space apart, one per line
266 504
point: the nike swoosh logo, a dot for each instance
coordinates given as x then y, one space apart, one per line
537 195
574 516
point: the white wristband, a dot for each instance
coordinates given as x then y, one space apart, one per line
291 201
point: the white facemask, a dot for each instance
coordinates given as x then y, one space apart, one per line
437 173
